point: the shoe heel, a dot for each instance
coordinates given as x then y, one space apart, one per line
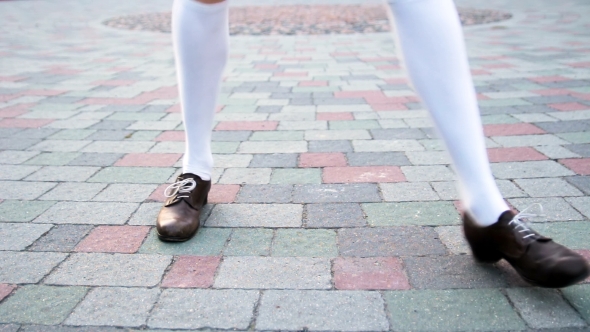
483 254
205 203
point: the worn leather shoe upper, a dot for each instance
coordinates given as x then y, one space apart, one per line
179 218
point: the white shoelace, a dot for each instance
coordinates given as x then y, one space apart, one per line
520 220
181 187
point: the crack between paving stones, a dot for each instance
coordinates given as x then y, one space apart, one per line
252 325
505 294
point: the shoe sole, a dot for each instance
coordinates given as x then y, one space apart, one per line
174 239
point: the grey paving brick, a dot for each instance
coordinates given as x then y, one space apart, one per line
581 149
563 126
427 173
445 272
252 193
53 158
581 204
146 214
61 238
428 157
336 193
27 267
463 310
59 145
334 215
377 159
110 135
207 242
274 160
411 213
88 213
118 147
18 236
544 308
13 143
397 133
305 242
400 145
528 140
529 169
274 273
579 297
330 146
547 187
408 191
73 134
246 175
37 304
273 147
68 191
580 182
389 241
554 208
572 234
111 124
9 157
63 173
9 327
200 308
96 159
301 310
452 237
249 242
256 215
286 176
16 172
21 211
114 306
97 269
126 193
156 175
231 160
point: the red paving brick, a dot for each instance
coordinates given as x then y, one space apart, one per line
247 125
5 290
119 239
498 155
581 166
322 159
552 92
370 273
372 174
569 106
388 107
174 109
173 135
192 272
158 194
223 193
334 116
24 123
358 94
388 100
512 129
547 79
149 159
10 112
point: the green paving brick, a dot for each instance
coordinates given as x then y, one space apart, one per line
451 310
576 138
224 147
296 176
411 213
249 242
354 124
277 136
133 175
36 304
53 158
305 242
74 134
579 297
572 234
21 211
207 242
131 116
498 119
503 102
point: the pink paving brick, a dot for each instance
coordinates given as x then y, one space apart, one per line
512 129
386 100
387 67
388 107
5 290
580 64
158 194
372 174
192 272
370 273
322 159
498 155
584 96
223 193
172 135
569 106
42 92
358 94
476 72
547 79
247 125
291 74
11 112
149 159
552 92
174 109
13 78
581 166
115 82
119 239
313 83
24 123
396 81
334 116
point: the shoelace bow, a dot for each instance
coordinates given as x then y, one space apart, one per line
181 188
519 221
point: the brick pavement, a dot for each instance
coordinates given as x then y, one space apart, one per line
333 206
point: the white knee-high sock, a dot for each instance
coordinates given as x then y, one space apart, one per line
431 39
200 36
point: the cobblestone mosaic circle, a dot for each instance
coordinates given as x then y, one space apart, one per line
297 20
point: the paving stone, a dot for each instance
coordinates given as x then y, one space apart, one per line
18 236
53 158
572 234
529 169
200 308
13 143
579 297
246 175
96 159
274 273
146 214
6 290
22 211
411 213
155 175
286 176
377 159
36 304
125 193
547 187
336 135
68 191
580 182
63 173
330 146
61 238
397 133
428 157
249 242
370 273
452 237
427 173
222 193
362 174
99 269
438 310
231 136
389 241
305 243
274 160
556 152
59 145
544 308
265 194
273 147
321 159
404 191
88 213
231 161
576 138
16 172
386 146
334 215
114 306
192 272
582 204
256 215
122 239
554 208
336 193
300 310
16 157
207 242
27 267
582 150
118 147
580 166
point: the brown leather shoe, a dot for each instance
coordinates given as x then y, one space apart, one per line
537 259
178 219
